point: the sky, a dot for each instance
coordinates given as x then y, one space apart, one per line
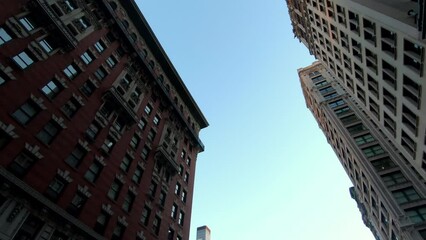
267 171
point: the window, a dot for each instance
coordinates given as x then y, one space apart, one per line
342 111
180 171
188 161
349 119
162 198
69 6
170 234
23 59
152 189
394 178
373 151
156 225
142 124
71 107
26 112
383 164
55 188
82 23
88 88
181 218
114 190
30 228
151 135
128 201
102 222
27 23
134 142
46 45
364 139
412 91
49 132
186 177
336 103
21 164
318 78
156 120
137 175
93 130
4 139
325 90
100 73
145 152
125 164
76 156
405 195
71 71
118 232
77 204
177 189
417 214
52 89
145 215
93 172
148 109
111 61
183 197
173 213
87 57
100 46
357 128
4 36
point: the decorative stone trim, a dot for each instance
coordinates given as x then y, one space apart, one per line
34 150
100 160
131 153
79 64
107 209
38 101
84 144
16 28
61 80
84 190
148 204
106 68
141 164
78 98
139 133
120 177
59 121
114 134
140 235
101 120
122 220
95 83
35 49
8 129
65 175
8 71
133 190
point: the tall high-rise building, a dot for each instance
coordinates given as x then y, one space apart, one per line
98 133
203 233
367 93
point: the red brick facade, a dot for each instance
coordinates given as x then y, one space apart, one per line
96 120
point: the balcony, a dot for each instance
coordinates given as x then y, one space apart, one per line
162 155
118 101
71 41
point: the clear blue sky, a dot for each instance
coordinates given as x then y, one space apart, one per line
268 171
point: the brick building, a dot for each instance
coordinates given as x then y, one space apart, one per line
367 93
98 133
